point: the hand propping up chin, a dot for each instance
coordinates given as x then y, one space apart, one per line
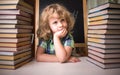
61 33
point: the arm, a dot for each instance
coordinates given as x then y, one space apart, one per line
42 57
63 53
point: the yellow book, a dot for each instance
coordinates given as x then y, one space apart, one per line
14 57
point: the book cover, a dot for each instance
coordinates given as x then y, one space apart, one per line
15 35
15 57
15 6
104 55
20 2
105 41
104 66
14 53
15 66
108 32
14 44
14 21
13 63
105 11
14 11
102 17
14 49
104 22
112 46
104 27
102 50
12 26
105 6
15 16
15 40
15 31
102 60
103 36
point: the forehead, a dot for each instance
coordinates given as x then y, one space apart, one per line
56 16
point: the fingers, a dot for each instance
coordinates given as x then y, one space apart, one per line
61 33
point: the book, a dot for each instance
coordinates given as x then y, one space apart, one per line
104 46
104 41
104 66
104 55
117 32
15 16
106 26
102 60
15 57
104 22
15 44
105 6
16 26
103 36
10 62
15 31
14 49
15 66
15 11
21 2
15 35
15 40
15 53
102 17
16 6
104 50
105 11
14 21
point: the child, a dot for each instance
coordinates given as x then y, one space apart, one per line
55 41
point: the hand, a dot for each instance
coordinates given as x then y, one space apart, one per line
74 59
61 33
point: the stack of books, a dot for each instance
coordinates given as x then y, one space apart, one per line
15 33
104 35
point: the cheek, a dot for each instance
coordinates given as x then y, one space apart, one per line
53 29
65 25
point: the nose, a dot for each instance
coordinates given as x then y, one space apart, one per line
60 24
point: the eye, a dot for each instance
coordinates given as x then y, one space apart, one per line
62 20
55 22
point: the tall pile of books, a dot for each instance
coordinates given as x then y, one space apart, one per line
104 35
15 33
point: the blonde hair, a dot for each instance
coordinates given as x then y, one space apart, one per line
44 31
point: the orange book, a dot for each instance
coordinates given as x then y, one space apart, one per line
104 41
102 17
15 35
14 44
104 22
104 32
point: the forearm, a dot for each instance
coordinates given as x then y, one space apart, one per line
47 58
60 50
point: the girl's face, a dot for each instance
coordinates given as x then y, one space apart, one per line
56 23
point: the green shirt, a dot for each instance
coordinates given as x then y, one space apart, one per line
49 45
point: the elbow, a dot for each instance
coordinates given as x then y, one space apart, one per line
62 60
37 59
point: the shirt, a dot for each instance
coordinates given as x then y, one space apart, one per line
49 45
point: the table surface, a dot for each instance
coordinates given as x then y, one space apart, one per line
44 68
